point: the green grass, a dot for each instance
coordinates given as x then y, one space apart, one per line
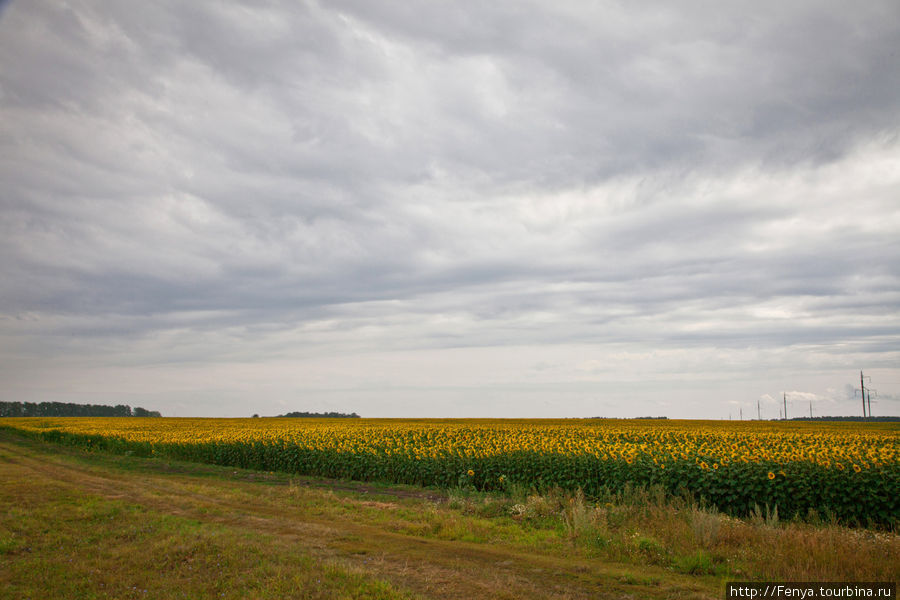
60 543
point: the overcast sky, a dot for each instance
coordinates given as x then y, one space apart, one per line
459 209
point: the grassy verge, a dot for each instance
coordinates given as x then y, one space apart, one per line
639 526
58 540
94 525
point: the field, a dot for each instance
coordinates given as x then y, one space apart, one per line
839 471
78 523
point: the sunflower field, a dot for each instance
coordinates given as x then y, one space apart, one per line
849 471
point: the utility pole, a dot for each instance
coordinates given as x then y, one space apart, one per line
866 394
742 413
784 398
758 414
810 409
862 391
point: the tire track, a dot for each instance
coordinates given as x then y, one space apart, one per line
432 567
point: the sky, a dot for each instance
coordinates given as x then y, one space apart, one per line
451 209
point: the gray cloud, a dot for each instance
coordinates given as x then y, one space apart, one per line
373 190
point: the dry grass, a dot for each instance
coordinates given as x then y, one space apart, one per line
705 524
645 527
804 552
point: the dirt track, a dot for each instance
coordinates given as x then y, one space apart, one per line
432 568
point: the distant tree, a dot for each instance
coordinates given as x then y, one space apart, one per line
143 412
328 415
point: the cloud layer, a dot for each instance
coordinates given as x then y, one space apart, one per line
420 209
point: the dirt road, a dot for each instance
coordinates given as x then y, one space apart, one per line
390 536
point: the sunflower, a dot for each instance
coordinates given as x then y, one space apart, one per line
771 475
471 473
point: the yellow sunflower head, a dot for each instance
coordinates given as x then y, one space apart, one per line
471 473
771 475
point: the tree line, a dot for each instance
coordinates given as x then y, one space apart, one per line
68 409
310 415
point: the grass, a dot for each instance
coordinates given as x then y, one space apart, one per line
95 525
60 542
645 527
